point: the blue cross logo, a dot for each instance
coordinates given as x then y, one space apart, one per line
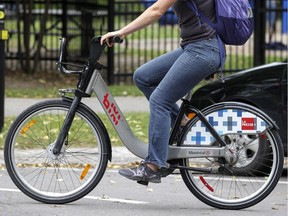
198 138
212 122
229 123
221 112
239 112
263 123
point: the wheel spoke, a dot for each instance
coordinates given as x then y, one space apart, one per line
255 168
45 176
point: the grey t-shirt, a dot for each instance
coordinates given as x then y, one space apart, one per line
189 23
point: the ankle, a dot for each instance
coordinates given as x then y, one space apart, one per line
153 167
184 121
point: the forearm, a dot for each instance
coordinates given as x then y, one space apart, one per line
149 16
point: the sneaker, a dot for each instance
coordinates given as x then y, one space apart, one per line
142 173
166 171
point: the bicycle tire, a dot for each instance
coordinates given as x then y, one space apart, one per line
71 175
240 185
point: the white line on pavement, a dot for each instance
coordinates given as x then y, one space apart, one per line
115 200
92 198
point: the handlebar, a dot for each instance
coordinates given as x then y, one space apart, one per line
96 50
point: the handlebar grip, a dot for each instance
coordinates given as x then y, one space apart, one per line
116 39
96 48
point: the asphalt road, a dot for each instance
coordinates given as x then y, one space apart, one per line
117 196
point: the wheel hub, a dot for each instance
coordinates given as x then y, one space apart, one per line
231 157
55 157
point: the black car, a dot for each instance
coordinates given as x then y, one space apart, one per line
264 87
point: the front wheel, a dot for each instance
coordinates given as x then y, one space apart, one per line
40 174
251 171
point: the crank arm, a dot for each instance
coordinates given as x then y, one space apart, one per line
203 170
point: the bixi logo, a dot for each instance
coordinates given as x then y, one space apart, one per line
111 109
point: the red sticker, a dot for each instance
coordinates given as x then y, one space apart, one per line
248 123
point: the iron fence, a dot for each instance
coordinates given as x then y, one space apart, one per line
35 26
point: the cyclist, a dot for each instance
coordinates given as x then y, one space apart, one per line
167 78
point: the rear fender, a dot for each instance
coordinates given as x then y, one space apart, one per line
227 118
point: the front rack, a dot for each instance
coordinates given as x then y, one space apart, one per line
62 67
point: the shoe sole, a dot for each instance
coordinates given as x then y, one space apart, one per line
136 178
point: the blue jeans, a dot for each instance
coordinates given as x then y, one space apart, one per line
166 79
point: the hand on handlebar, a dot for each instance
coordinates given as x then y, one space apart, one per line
108 36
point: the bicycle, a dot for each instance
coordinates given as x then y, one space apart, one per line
57 151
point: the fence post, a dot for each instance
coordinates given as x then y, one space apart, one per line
110 55
259 32
3 37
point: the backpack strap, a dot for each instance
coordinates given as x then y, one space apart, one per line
191 4
193 7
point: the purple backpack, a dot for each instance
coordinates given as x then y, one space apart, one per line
234 23
234 20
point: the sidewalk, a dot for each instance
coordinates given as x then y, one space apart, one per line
14 106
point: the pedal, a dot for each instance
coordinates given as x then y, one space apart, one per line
166 171
143 183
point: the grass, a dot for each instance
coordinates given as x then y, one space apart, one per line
137 121
47 84
52 92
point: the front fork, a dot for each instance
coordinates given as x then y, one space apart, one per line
66 125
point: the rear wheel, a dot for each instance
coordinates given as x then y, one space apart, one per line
253 164
40 174
226 187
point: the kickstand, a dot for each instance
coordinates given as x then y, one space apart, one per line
143 183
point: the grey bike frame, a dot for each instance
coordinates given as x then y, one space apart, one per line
132 143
